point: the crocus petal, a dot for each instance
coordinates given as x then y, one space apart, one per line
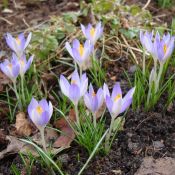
74 93
116 90
69 49
28 40
29 63
116 108
50 109
100 97
33 104
44 119
87 101
75 44
75 78
109 103
10 41
127 100
94 104
105 90
64 85
44 105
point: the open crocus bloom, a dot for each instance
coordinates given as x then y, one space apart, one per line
23 63
40 112
10 69
91 33
93 100
163 48
19 44
160 49
115 103
80 53
76 89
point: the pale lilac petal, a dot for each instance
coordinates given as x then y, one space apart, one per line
116 108
84 86
100 97
74 93
87 101
44 105
109 103
44 119
10 41
75 44
116 90
69 49
50 109
28 40
105 90
127 100
33 104
15 70
94 104
29 63
64 85
75 78
83 29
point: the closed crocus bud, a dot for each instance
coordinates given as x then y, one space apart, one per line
92 33
146 40
80 53
10 68
94 101
40 112
18 44
76 89
115 103
23 63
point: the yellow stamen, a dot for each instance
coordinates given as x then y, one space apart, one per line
22 62
18 41
93 94
10 65
81 50
117 97
92 31
164 48
39 109
73 82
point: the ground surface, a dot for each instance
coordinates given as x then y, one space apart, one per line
145 133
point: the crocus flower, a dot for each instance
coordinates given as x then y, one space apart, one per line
115 103
19 44
23 63
93 100
146 40
40 112
160 49
76 89
10 68
91 33
163 48
80 53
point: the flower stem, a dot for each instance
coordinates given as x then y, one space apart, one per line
17 95
77 115
144 62
109 135
159 75
22 88
94 120
43 139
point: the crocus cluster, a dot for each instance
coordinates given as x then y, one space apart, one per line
81 53
161 49
18 64
78 88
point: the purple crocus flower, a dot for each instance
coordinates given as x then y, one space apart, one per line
92 33
23 63
40 112
160 49
19 44
10 68
163 48
76 89
146 40
80 53
115 103
93 100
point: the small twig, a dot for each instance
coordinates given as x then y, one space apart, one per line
7 21
146 5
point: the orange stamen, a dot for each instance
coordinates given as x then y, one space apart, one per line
39 109
117 97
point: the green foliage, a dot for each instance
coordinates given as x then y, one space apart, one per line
165 3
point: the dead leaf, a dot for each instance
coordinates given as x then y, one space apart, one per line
13 147
22 125
4 80
68 135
